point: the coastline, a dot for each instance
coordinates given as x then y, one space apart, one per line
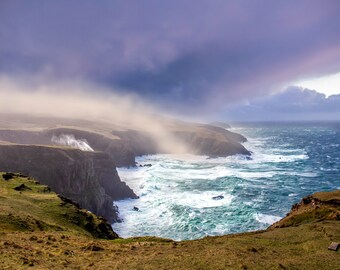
30 145
314 227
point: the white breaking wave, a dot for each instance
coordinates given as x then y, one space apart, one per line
203 199
267 219
195 196
70 141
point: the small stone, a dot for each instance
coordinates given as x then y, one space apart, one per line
33 238
68 252
22 187
146 165
333 246
252 249
51 238
93 247
219 197
8 176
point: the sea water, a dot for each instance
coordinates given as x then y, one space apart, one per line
176 194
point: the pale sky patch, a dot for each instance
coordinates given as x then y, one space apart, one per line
328 85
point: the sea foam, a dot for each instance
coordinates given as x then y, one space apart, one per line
176 192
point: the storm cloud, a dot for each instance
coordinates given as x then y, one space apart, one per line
180 54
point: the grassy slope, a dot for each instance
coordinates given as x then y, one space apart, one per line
63 242
37 208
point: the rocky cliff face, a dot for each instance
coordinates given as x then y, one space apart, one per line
88 178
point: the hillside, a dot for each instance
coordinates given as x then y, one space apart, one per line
41 231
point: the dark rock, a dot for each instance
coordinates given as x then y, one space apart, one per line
146 165
65 200
253 249
68 252
33 238
219 197
93 247
8 176
46 190
135 208
22 187
51 238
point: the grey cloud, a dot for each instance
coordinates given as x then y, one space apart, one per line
295 103
181 54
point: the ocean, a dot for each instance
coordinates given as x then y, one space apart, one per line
190 197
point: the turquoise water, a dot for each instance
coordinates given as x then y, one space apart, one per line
176 192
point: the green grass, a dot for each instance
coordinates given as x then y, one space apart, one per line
38 209
61 241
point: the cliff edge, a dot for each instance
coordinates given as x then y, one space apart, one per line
28 206
87 178
319 206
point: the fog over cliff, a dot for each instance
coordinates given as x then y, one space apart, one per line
76 100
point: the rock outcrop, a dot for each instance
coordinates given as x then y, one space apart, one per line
87 178
210 140
316 207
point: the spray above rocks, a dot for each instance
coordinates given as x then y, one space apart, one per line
71 141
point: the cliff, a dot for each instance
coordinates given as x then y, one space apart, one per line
87 178
58 242
209 140
27 206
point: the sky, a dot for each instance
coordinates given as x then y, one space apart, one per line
329 84
188 57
